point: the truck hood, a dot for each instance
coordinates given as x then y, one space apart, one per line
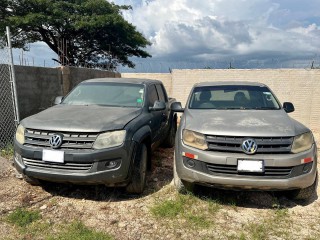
71 118
250 123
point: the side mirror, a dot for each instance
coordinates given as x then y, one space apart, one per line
288 107
177 107
58 100
158 106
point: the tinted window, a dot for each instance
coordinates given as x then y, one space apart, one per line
233 97
161 93
153 96
108 94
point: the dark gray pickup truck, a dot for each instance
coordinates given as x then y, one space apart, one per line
102 132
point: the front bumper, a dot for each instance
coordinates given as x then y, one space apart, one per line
285 170
107 166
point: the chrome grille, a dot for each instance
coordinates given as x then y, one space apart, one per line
265 144
71 140
73 167
232 169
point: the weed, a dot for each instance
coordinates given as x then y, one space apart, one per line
198 221
270 226
258 231
78 231
242 236
23 217
237 237
214 206
52 202
195 212
168 208
280 214
7 152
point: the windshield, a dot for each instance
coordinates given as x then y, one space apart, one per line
233 97
107 94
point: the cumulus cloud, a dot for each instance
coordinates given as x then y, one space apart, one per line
217 29
275 31
39 55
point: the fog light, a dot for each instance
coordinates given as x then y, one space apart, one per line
111 164
18 157
190 163
307 167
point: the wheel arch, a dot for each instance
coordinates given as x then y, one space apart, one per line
144 136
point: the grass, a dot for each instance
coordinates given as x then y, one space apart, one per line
193 211
198 221
23 217
168 209
7 152
78 231
208 214
31 226
270 226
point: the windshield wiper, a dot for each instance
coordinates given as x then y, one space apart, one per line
247 108
228 108
265 108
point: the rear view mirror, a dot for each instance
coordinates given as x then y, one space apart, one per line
177 107
288 107
58 100
158 106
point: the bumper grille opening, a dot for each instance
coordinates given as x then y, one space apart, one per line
232 169
72 167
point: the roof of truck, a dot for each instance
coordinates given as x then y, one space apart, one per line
221 83
123 80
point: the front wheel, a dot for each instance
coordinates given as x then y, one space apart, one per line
139 173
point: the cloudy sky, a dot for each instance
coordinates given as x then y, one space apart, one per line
217 33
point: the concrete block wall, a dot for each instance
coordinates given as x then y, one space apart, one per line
37 87
77 75
166 78
299 86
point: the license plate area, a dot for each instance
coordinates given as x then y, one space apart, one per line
250 166
53 156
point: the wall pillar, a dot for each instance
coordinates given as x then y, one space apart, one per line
65 71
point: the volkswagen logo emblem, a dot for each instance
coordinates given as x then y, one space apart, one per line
249 146
55 140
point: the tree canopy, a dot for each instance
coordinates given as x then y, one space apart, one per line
81 32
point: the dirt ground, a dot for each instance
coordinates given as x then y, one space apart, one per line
238 216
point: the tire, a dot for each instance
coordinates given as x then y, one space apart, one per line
139 171
305 193
31 180
169 140
181 186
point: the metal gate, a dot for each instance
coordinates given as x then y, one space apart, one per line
8 111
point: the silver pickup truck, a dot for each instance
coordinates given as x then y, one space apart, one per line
237 135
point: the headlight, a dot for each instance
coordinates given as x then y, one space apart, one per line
194 139
302 142
109 139
20 134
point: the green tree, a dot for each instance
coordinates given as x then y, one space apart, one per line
81 32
